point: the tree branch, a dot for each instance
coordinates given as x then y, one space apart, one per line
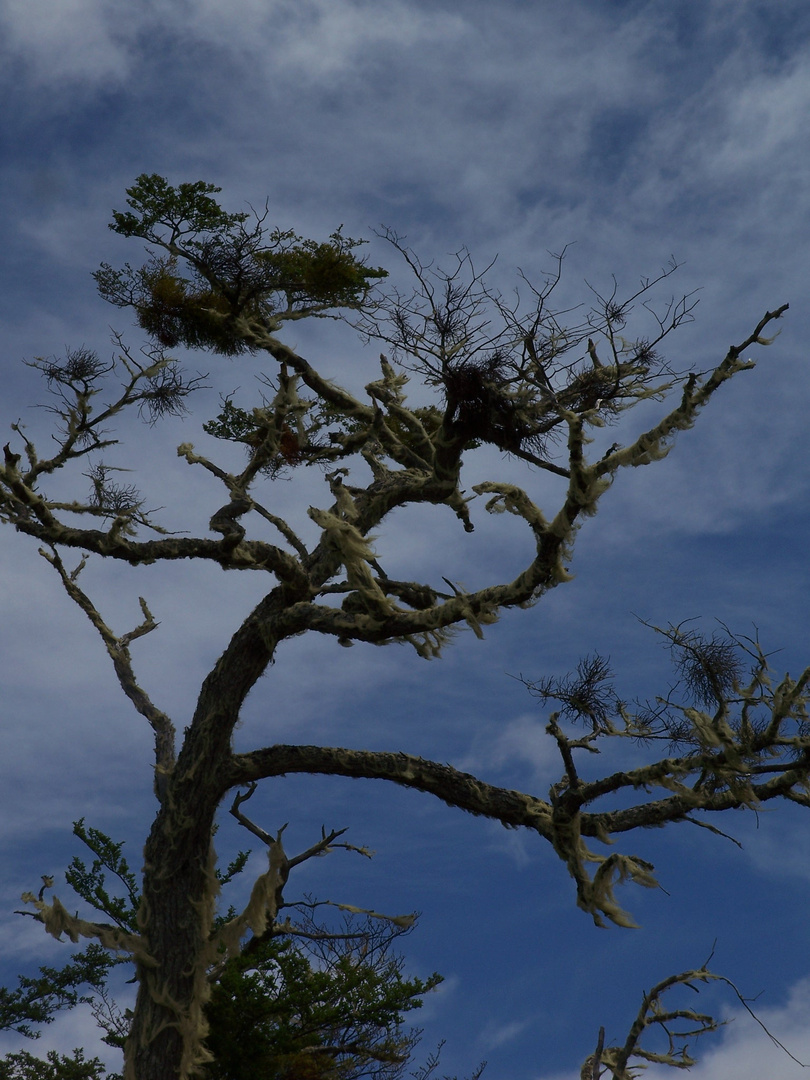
118 651
462 790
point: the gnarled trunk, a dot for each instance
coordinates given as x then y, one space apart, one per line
166 1039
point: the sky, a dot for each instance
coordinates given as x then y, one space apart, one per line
631 130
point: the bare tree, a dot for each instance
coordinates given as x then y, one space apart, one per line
515 377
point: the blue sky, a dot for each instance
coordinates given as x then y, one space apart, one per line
631 130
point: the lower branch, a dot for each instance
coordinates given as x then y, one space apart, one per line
466 792
458 789
57 920
562 821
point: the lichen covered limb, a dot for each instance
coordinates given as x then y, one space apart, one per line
654 1015
58 920
655 443
262 908
461 790
118 651
458 789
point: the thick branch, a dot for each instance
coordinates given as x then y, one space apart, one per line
459 789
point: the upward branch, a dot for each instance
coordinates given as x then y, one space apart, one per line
118 651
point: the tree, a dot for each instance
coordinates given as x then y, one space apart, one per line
307 999
508 377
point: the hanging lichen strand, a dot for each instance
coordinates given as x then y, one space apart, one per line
512 379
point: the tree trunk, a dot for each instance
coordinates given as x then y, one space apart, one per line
176 917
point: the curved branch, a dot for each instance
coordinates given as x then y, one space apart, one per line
652 445
459 789
513 809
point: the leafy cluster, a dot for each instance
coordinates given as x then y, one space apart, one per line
36 1000
54 1066
233 273
275 1013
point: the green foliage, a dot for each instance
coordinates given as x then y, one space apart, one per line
234 867
287 431
188 208
308 272
275 1014
24 1066
233 424
90 884
35 1000
329 1006
237 275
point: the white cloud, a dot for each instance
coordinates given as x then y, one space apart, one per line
81 41
780 846
98 42
319 40
763 121
523 740
495 1034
